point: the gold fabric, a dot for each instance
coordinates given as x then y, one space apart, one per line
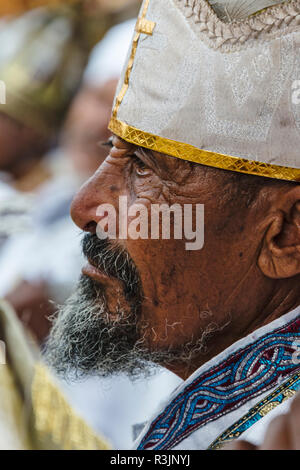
192 154
64 427
34 413
13 429
273 400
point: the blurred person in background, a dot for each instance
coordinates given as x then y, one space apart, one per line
85 132
41 65
42 58
31 271
43 267
112 11
198 97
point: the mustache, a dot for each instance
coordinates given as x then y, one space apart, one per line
114 261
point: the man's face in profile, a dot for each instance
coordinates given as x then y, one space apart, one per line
142 300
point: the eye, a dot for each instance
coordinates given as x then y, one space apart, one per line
140 167
108 143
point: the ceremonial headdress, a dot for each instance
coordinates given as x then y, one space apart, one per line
210 88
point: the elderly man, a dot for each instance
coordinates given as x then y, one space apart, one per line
206 114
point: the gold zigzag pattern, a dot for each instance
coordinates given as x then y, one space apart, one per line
193 154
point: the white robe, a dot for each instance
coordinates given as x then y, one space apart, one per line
234 395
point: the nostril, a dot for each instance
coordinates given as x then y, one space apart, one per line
91 227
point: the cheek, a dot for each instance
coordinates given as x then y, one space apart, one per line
146 190
172 307
183 290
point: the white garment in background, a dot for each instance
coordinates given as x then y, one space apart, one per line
118 407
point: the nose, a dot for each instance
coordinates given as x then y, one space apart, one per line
102 188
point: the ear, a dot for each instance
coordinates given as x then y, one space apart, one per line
280 253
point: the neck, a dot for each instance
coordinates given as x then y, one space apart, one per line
275 306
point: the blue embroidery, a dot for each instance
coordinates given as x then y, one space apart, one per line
245 374
255 414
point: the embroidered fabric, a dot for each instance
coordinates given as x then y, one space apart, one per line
222 390
230 10
230 36
241 101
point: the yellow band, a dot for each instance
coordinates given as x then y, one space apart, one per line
56 421
141 24
204 157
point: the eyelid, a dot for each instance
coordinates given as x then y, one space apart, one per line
140 167
146 156
106 143
140 155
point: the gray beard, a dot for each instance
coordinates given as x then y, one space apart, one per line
84 340
88 339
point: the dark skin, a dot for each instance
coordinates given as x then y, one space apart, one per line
247 272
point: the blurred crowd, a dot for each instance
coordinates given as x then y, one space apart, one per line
60 67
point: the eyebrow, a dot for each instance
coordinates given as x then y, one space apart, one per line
148 155
106 143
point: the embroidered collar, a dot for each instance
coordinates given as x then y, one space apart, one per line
246 370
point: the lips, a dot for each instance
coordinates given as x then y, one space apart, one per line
95 274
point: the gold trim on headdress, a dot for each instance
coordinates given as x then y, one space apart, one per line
182 150
142 26
204 157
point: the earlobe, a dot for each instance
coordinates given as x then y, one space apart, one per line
279 257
